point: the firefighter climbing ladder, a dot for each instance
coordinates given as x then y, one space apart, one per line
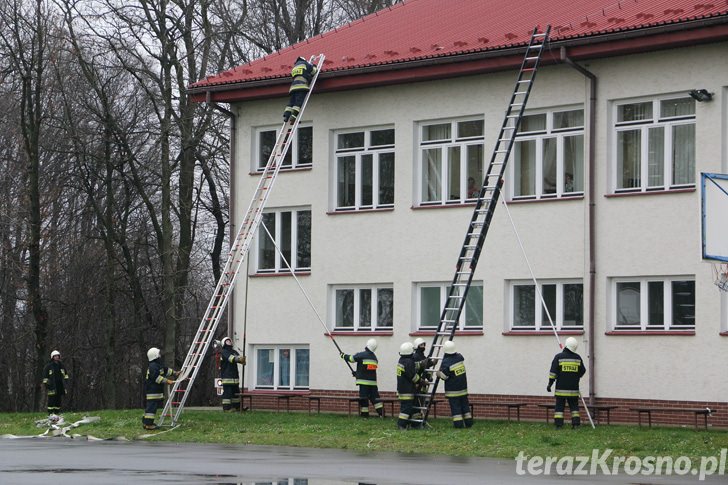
483 213
239 250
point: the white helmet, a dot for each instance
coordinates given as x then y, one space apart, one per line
449 347
418 341
54 353
406 349
225 340
372 344
572 344
153 354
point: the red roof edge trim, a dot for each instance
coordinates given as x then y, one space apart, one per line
608 45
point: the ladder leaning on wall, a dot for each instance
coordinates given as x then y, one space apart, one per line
482 215
241 244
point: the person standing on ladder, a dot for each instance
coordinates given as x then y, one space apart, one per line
452 371
158 375
420 356
302 73
229 360
366 378
567 368
55 380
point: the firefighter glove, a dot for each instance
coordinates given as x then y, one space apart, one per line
341 354
548 388
170 381
242 359
441 375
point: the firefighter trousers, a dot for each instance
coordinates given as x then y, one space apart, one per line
460 411
369 394
573 407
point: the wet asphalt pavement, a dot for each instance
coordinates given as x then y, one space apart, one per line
60 461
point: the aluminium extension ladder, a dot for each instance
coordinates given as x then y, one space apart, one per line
482 216
239 250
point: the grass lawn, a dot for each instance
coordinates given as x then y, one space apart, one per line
486 439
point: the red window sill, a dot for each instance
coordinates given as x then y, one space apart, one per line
443 206
458 333
294 169
547 199
362 333
274 392
723 334
542 332
650 192
651 332
273 275
359 211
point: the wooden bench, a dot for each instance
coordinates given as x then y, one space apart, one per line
316 399
593 409
509 405
350 400
279 398
705 412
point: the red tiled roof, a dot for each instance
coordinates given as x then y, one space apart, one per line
421 30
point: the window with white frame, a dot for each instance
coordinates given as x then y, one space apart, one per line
362 308
654 144
291 229
431 298
548 155
364 169
450 161
281 367
564 301
659 303
299 154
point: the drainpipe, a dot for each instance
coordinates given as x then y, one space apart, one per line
590 193
231 116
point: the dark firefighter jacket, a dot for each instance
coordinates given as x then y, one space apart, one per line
366 367
419 355
229 359
302 74
157 374
456 381
55 378
566 369
407 377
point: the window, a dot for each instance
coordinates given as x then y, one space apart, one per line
450 161
281 367
431 298
548 155
364 170
299 155
291 229
564 301
655 144
362 308
653 303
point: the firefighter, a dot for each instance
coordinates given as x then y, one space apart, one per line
366 378
55 380
566 370
158 375
229 360
302 73
422 385
452 371
408 379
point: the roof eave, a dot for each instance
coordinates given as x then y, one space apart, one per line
581 48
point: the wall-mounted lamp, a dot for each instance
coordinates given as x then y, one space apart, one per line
701 95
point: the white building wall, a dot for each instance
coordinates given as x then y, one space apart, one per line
640 235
